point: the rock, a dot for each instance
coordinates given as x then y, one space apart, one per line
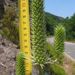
1 50
7 43
8 52
35 70
4 4
0 39
2 69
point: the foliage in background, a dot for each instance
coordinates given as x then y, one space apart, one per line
59 38
20 64
9 28
69 24
51 22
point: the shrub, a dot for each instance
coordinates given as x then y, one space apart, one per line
9 25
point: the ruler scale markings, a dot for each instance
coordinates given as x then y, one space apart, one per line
25 34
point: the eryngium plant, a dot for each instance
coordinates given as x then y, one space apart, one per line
59 41
20 65
38 31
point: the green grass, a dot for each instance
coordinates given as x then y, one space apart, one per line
54 69
58 70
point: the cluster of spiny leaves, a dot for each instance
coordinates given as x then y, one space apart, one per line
38 31
59 41
20 64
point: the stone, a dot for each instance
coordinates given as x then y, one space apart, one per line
8 53
1 50
2 69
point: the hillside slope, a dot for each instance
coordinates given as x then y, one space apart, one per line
51 22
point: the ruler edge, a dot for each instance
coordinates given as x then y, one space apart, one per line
19 9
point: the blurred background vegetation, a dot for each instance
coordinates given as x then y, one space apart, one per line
9 28
68 23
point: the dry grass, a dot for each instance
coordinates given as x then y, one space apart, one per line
69 65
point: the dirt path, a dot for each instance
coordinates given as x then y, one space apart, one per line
69 65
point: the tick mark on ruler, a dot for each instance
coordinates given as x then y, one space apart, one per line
25 46
26 52
27 70
24 10
25 40
24 16
25 28
23 0
25 34
23 4
24 22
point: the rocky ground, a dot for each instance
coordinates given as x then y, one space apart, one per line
69 65
8 52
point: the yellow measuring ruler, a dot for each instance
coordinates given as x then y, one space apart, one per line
24 29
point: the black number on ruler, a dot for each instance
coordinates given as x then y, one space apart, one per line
27 63
25 40
23 0
25 46
24 10
24 22
26 52
24 16
27 70
25 34
23 4
25 28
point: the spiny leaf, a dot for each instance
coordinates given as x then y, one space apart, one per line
20 66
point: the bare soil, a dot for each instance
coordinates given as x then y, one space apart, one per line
69 65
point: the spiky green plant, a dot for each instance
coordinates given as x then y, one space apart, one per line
59 41
20 66
38 31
